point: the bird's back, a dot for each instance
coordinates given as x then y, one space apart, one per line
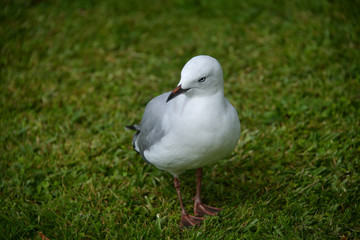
151 130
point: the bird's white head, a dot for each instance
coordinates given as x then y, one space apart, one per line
201 75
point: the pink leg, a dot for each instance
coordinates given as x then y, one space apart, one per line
186 219
201 209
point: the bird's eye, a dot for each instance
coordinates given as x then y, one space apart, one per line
202 79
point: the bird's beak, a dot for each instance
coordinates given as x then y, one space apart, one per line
176 92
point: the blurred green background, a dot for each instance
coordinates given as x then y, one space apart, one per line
74 73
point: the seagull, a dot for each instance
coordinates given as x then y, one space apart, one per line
188 128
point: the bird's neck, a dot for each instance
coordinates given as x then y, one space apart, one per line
212 101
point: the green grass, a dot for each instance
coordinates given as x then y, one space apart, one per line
74 73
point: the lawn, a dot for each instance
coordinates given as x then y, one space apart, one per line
74 73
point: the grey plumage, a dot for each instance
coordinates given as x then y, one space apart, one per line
150 131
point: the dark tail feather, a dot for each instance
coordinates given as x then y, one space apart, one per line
136 128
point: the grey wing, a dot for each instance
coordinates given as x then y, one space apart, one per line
151 130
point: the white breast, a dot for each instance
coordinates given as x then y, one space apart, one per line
197 134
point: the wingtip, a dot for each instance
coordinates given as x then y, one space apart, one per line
134 127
